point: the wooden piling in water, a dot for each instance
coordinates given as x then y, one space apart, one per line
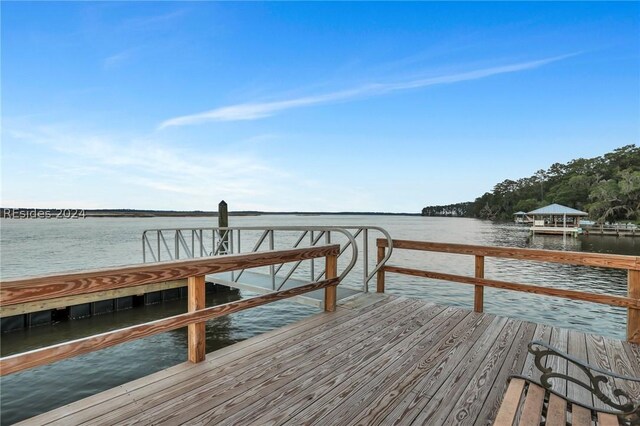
223 222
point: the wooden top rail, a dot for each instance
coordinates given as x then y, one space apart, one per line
15 363
605 299
40 288
616 261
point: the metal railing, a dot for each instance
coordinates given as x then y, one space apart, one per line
188 243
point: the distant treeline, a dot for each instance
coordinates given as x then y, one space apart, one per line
17 212
459 209
607 187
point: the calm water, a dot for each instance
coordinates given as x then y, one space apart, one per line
46 246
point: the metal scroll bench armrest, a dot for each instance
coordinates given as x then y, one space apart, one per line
527 402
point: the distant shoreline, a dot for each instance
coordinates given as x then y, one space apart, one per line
194 213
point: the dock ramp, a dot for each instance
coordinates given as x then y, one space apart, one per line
356 266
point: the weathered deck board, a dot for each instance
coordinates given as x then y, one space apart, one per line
577 345
597 356
293 343
376 360
286 335
363 387
428 372
358 357
542 334
559 340
265 378
625 365
514 362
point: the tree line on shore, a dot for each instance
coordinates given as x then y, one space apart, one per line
607 187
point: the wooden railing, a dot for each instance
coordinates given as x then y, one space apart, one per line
629 263
55 286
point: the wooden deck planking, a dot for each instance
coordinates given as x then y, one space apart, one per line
515 361
577 346
431 368
249 376
376 360
367 382
487 357
287 334
225 376
366 348
559 340
598 356
622 364
332 374
361 390
542 334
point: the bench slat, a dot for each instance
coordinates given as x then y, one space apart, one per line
510 403
580 416
605 419
532 410
557 411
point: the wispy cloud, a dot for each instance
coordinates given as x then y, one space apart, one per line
184 177
152 21
118 58
253 111
85 169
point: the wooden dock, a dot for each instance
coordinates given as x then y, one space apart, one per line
370 359
377 359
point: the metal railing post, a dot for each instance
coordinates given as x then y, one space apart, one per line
365 255
177 244
272 270
313 263
230 235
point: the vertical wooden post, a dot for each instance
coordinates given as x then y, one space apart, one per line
196 332
478 299
633 314
330 293
223 222
380 273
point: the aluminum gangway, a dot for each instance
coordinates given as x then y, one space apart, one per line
189 243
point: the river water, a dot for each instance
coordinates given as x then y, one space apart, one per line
33 247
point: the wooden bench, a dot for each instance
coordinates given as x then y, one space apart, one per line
527 402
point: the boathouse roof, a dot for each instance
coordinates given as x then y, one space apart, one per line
520 213
558 209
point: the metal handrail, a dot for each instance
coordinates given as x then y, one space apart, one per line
230 234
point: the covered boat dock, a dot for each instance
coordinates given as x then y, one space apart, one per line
556 219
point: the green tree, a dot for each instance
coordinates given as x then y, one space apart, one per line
527 205
607 186
616 199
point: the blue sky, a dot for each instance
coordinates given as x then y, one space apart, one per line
306 106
